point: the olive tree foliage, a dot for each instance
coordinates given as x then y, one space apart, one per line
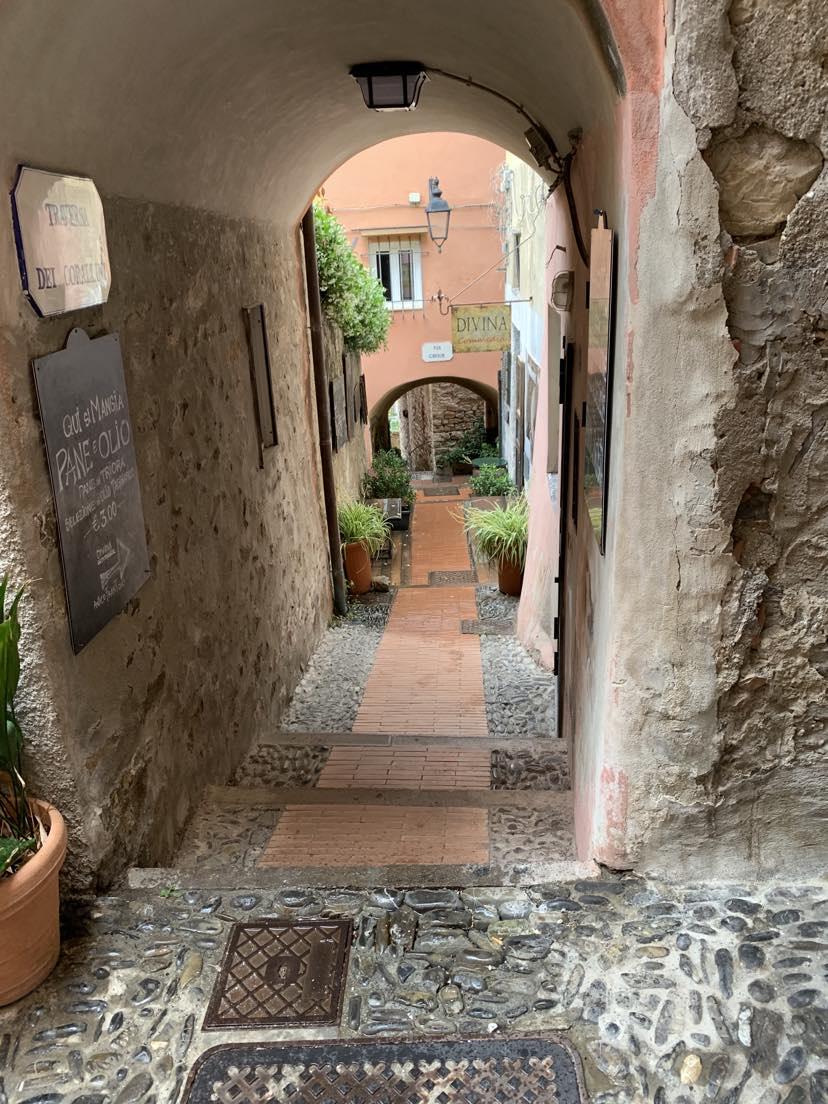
351 296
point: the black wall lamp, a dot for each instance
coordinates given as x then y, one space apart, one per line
390 85
396 86
438 214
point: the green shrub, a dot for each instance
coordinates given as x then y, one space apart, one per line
351 296
501 533
390 477
360 523
467 447
491 481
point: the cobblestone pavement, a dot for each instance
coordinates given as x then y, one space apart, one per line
672 995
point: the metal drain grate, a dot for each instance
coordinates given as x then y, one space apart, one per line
476 1071
452 578
279 973
487 628
441 489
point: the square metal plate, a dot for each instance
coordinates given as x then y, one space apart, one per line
440 489
281 973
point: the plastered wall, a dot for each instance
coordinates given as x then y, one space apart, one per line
169 695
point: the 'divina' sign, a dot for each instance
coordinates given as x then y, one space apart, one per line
60 237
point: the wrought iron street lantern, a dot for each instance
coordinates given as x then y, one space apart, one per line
390 85
438 214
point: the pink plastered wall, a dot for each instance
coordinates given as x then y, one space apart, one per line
614 170
371 191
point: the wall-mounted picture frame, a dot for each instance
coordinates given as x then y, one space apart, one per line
597 414
261 379
339 413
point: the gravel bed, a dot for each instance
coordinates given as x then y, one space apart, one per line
521 696
328 697
494 606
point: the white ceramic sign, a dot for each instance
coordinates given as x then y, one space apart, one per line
61 241
437 350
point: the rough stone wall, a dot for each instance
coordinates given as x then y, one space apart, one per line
454 410
349 461
416 428
756 95
713 741
170 694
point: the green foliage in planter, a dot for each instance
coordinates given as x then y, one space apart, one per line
469 444
492 481
18 827
389 477
351 296
501 533
362 524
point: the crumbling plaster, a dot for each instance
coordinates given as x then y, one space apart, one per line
729 710
168 697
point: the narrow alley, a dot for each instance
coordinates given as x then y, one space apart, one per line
385 813
437 763
414 574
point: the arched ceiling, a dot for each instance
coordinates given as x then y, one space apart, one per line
245 106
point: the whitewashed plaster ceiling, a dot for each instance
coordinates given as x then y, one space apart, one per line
245 106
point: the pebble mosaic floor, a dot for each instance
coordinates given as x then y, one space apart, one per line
705 994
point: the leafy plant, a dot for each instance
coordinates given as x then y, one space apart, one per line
360 523
492 480
501 533
19 835
390 477
351 296
469 445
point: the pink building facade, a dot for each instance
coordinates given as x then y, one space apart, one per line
380 196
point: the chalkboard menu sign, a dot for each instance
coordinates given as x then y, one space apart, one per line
85 414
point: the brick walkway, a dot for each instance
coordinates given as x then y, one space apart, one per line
427 677
377 835
407 768
427 680
438 542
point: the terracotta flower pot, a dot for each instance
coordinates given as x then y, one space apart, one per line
29 913
358 568
509 578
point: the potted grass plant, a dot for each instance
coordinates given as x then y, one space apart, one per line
390 477
501 535
32 841
363 531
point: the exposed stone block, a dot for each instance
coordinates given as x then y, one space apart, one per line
761 175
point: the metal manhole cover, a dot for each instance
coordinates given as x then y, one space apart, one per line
279 973
486 628
452 578
441 489
542 1070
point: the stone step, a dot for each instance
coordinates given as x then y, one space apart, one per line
557 802
330 739
237 879
243 836
480 764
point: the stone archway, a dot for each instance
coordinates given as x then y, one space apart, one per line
378 418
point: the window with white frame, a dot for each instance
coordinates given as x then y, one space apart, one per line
397 264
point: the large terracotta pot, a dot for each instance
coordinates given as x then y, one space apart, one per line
358 568
509 578
29 913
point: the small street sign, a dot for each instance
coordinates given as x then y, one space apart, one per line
60 237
